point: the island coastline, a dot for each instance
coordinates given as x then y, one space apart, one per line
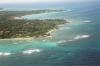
27 29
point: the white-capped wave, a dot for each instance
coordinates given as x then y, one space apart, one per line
74 38
81 37
5 53
31 51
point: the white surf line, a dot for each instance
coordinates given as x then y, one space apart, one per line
40 14
31 51
81 37
5 53
78 37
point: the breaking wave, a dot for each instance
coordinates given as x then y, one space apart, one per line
5 53
31 51
78 37
81 37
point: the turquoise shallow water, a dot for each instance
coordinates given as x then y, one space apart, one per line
73 44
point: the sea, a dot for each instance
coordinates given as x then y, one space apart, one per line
74 44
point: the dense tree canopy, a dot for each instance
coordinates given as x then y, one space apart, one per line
11 28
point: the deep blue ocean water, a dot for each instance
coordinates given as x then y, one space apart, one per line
74 44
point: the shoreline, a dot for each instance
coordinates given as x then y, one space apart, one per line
48 35
34 38
25 16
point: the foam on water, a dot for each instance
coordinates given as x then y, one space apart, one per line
74 38
78 37
5 53
31 51
81 37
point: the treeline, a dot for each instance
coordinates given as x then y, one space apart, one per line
10 28
22 13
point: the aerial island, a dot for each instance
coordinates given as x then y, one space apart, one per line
23 28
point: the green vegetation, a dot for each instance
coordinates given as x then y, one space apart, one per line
22 13
11 28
